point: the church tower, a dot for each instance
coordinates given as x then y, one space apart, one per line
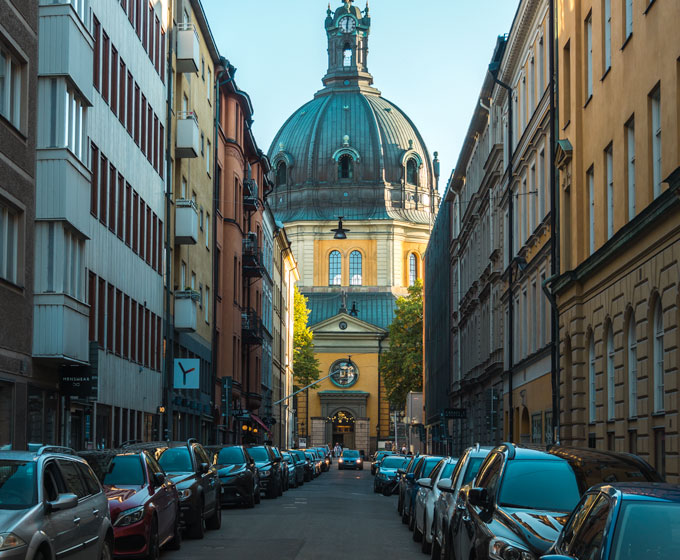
351 155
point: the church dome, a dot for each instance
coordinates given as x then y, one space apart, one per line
349 151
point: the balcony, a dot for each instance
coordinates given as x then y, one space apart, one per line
252 257
188 135
188 50
186 222
251 327
250 199
60 328
186 310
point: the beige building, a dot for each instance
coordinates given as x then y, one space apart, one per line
618 291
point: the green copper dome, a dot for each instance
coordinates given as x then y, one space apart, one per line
350 152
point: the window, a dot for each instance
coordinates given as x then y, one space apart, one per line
9 243
206 305
566 76
532 84
412 269
334 269
656 140
536 428
632 367
532 196
658 358
628 17
355 268
589 56
590 180
281 174
607 21
541 186
207 230
541 65
589 541
208 85
94 189
347 55
346 167
193 281
183 189
630 170
207 159
11 73
610 373
96 33
412 172
182 276
591 380
609 158
105 67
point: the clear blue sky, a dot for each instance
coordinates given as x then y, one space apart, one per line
428 57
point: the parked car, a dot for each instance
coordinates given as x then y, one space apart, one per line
622 522
292 470
378 456
423 470
188 465
314 460
405 482
143 501
521 497
239 476
387 472
325 456
269 468
283 470
318 455
42 492
465 471
350 459
308 468
425 498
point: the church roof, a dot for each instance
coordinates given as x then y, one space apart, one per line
376 308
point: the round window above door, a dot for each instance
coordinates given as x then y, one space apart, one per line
344 373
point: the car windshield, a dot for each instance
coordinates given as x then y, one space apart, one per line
124 470
472 470
351 454
543 485
309 456
428 466
393 462
230 456
649 530
448 470
258 453
176 459
17 484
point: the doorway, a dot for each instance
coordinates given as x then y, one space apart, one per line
343 429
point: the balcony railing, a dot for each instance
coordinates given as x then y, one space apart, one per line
186 222
60 325
251 327
252 257
188 135
188 50
250 192
186 310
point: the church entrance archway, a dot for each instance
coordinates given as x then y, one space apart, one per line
343 428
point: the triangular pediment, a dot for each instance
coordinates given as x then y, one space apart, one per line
344 324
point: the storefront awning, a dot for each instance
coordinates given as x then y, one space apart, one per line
260 422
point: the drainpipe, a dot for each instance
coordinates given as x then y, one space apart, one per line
554 356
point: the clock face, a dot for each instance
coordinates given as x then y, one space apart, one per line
347 24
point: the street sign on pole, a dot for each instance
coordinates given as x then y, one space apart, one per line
456 413
187 373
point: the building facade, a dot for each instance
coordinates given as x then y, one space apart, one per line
618 293
28 394
350 153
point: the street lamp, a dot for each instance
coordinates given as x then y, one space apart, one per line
340 232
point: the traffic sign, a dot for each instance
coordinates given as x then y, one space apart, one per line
187 373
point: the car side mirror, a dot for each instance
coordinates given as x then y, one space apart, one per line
445 485
410 476
479 497
63 501
424 482
159 478
203 468
401 471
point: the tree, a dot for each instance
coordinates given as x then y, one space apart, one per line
402 364
305 364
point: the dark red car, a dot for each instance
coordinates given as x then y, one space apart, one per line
143 502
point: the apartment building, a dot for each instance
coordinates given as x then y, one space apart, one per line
28 395
618 295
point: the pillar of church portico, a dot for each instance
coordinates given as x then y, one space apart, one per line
362 435
318 434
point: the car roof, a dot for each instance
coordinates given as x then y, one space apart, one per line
19 455
641 491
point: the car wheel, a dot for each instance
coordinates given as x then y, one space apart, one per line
424 545
154 548
404 515
176 542
106 551
197 529
250 500
39 555
417 534
411 522
215 520
435 549
258 497
400 504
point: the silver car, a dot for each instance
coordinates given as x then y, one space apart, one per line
52 506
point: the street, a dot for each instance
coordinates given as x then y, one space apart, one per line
335 516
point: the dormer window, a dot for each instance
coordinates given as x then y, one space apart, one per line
281 174
346 55
412 172
346 167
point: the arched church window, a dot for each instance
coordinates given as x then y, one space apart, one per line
334 269
412 172
346 167
281 174
412 269
355 268
347 55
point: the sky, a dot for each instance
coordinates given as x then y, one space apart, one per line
429 57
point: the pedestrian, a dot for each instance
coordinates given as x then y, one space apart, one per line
337 450
403 450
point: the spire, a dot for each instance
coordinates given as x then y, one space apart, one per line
367 10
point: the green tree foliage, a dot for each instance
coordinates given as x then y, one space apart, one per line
305 364
401 365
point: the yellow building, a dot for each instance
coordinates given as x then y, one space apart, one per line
350 153
618 293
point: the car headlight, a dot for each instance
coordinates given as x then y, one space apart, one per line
184 494
129 516
501 549
9 541
340 460
265 474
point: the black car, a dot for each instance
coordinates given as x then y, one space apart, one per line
388 471
422 470
189 466
308 468
623 522
522 497
350 459
378 456
293 468
269 467
406 481
238 474
285 483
